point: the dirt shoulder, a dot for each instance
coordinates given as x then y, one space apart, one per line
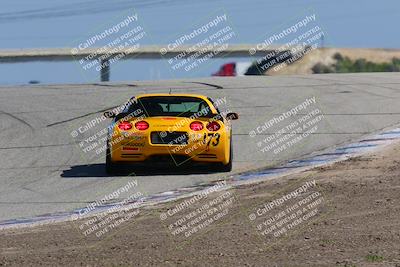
352 220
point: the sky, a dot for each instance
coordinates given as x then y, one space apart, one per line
57 23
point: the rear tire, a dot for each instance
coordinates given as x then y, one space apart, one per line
111 168
227 167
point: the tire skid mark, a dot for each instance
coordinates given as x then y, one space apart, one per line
18 119
208 84
79 117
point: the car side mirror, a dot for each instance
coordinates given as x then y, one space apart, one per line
232 116
109 114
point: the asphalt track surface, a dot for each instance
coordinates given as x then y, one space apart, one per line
44 169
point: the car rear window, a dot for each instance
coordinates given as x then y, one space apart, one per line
177 106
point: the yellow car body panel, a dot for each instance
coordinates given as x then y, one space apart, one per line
203 145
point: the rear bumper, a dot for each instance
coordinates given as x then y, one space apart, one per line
145 152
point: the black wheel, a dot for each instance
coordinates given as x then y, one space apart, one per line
111 168
227 167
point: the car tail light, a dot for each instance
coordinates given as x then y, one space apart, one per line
125 125
141 125
196 126
213 126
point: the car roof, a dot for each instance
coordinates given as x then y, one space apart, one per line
172 95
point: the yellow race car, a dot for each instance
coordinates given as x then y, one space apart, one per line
155 129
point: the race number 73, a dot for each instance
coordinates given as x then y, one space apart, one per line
211 138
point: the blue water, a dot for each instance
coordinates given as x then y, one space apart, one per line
56 23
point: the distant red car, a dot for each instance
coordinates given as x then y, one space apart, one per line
233 69
228 69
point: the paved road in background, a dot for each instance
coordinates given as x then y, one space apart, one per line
44 170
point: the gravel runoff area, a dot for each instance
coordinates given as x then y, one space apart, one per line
345 214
